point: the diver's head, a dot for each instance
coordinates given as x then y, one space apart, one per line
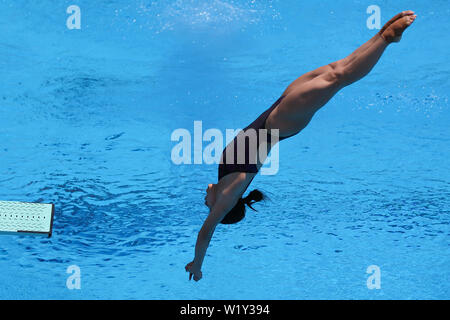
238 212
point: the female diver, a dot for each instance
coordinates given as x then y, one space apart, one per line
289 114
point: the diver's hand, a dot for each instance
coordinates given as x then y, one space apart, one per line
193 270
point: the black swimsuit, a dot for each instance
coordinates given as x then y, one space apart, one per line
260 123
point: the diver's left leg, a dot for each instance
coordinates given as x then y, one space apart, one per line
299 105
357 53
302 101
356 66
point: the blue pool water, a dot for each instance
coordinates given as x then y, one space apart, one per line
85 123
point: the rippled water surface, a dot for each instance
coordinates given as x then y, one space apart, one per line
85 123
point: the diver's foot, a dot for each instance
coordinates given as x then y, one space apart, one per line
393 30
395 18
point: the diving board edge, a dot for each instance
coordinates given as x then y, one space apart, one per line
41 233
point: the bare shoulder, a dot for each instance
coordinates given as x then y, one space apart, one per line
234 184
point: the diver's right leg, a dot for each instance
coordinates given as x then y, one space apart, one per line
358 52
302 101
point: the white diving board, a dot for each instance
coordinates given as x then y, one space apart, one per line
25 217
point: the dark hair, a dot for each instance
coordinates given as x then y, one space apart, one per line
238 212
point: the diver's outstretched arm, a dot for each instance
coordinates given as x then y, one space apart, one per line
224 203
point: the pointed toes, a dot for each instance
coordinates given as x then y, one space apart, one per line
410 19
407 12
